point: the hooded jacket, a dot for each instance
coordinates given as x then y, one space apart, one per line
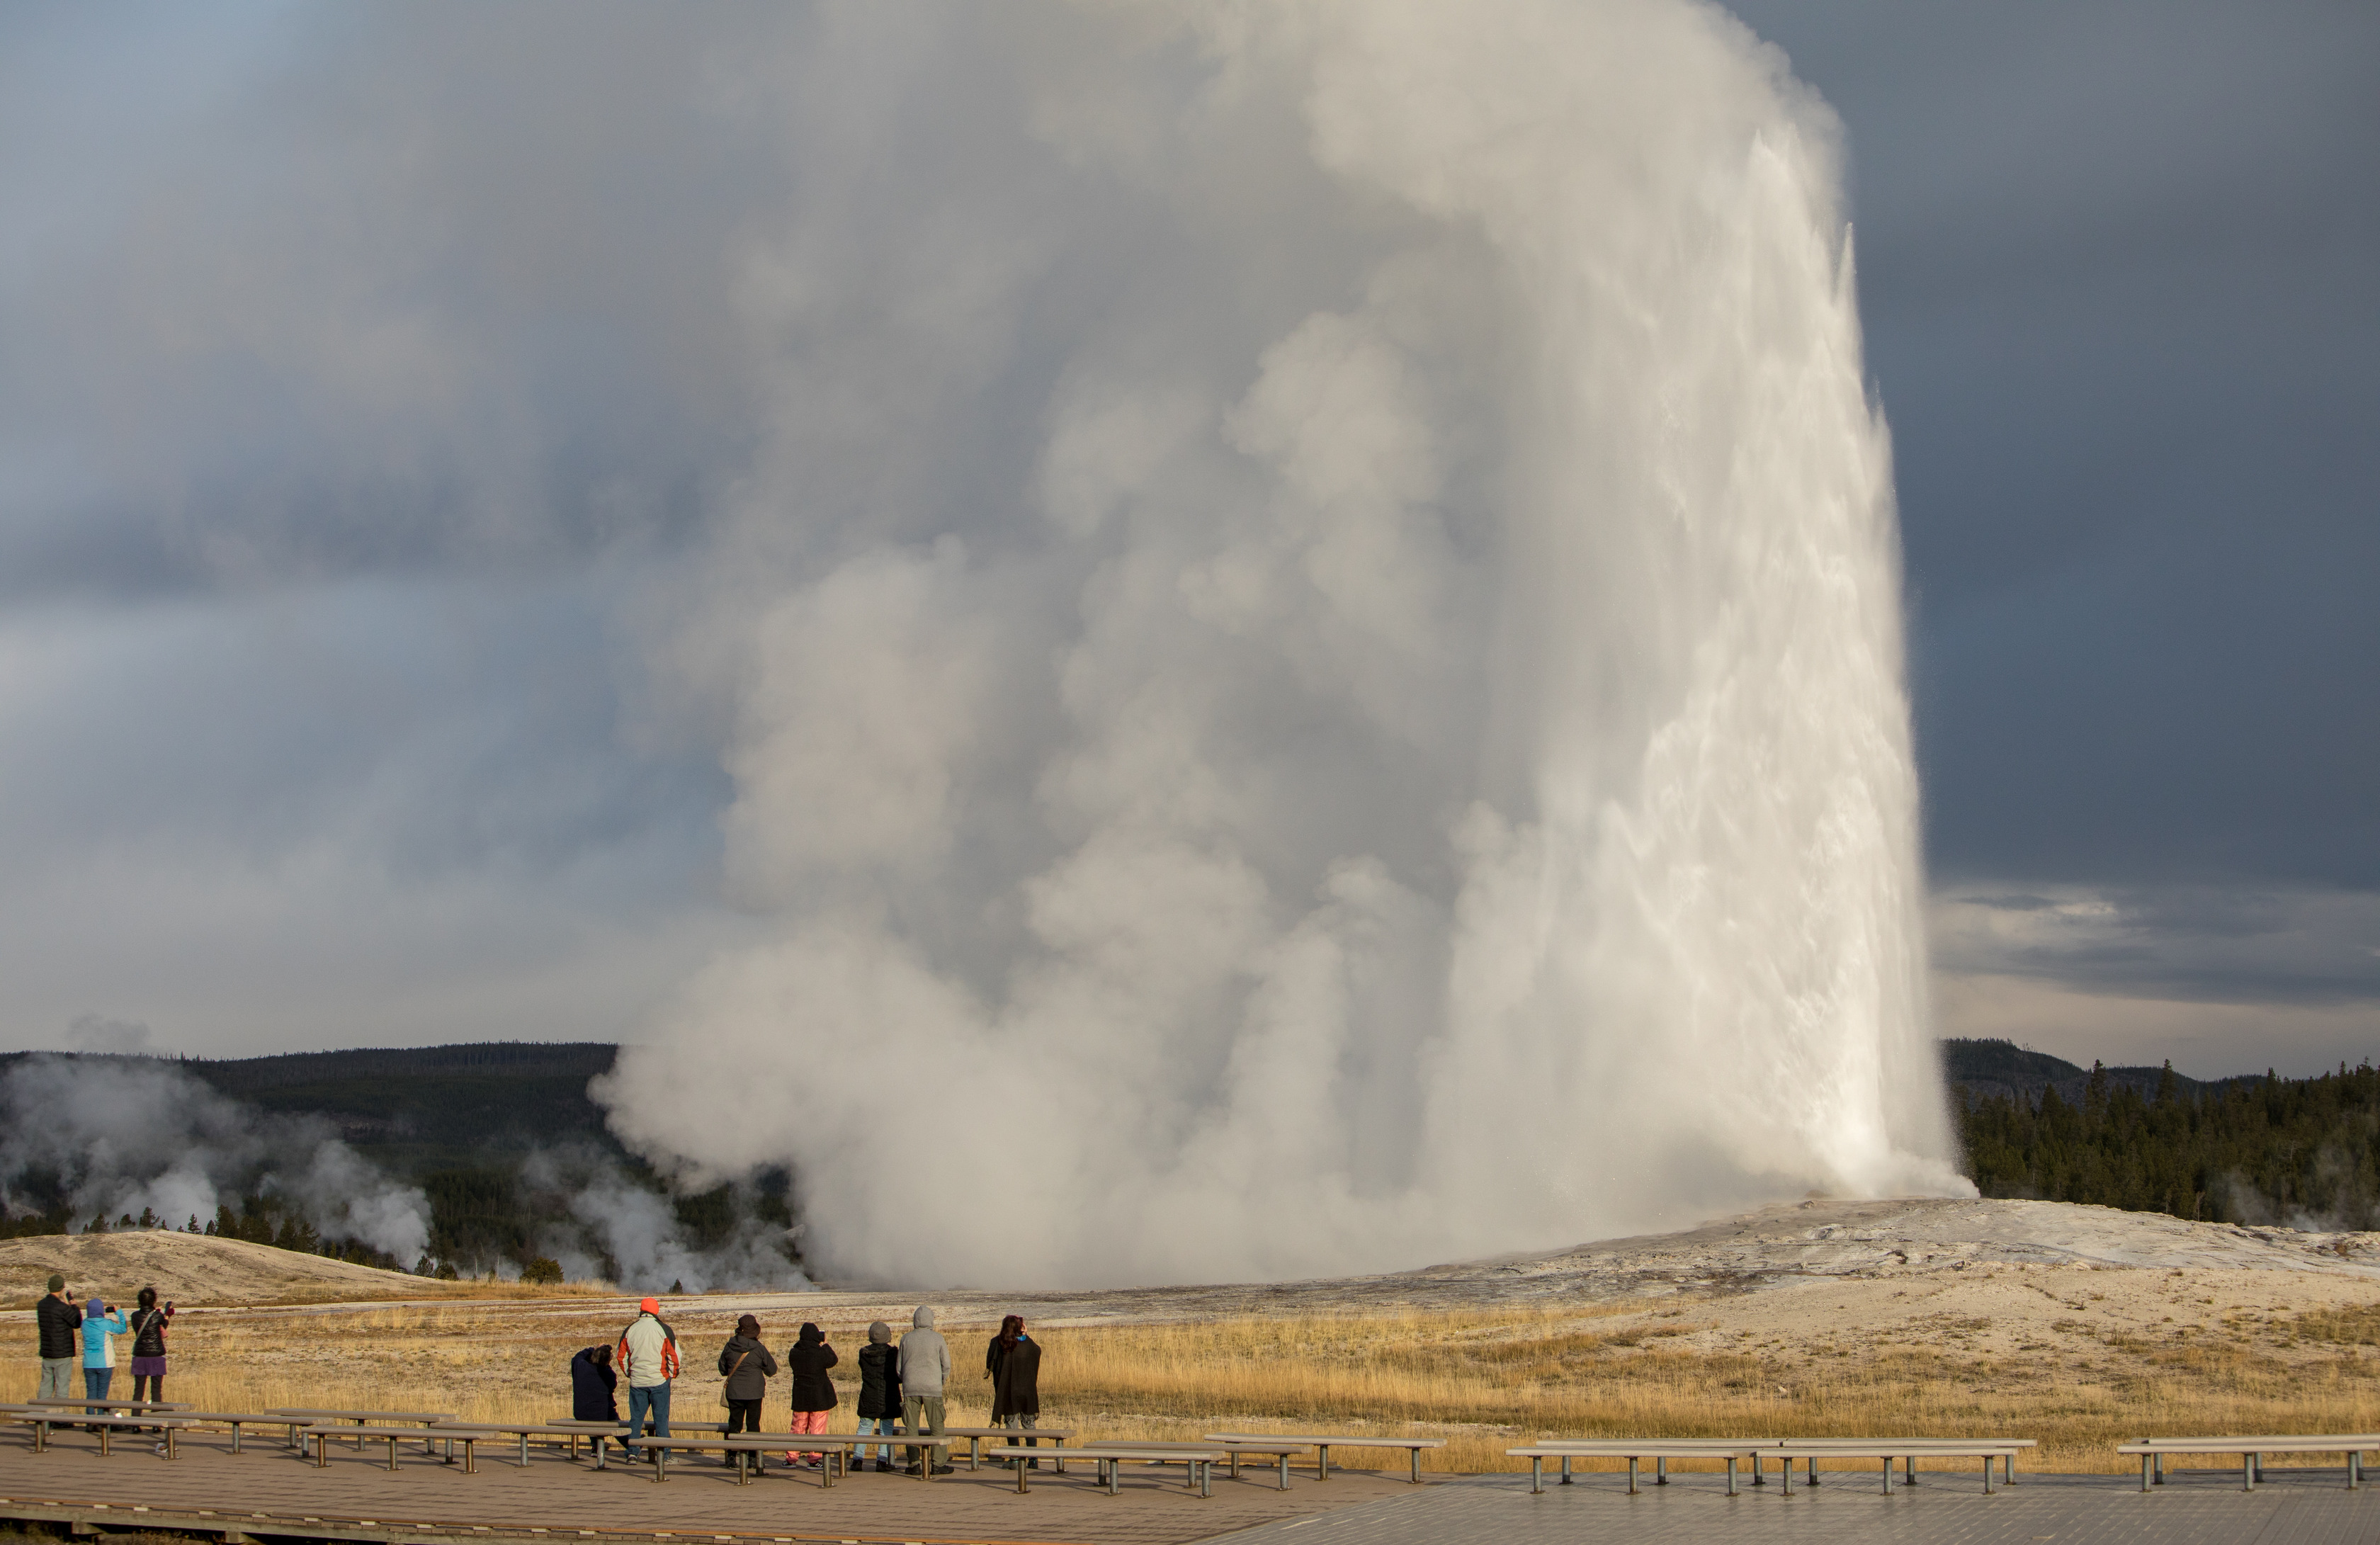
880 1376
925 1357
99 1334
648 1352
59 1320
747 1366
1015 1370
806 1364
592 1387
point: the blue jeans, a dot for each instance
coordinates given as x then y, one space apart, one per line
94 1387
653 1399
881 1424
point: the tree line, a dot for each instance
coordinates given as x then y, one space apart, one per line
2302 1152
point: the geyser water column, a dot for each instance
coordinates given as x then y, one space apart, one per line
1312 662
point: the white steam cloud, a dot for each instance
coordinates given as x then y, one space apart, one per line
118 1137
1313 661
619 1231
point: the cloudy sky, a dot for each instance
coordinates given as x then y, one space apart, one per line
373 381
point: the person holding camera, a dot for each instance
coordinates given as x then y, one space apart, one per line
102 1323
59 1322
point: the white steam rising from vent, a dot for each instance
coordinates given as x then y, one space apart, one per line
123 1136
1313 664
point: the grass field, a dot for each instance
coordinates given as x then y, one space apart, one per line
1483 1381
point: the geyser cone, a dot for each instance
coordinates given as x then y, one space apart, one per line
1414 762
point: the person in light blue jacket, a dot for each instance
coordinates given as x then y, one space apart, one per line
100 1326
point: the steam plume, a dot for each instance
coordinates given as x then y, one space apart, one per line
1313 661
118 1135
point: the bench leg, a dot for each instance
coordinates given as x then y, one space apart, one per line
1757 1479
470 1456
1416 1464
1536 1474
392 1456
2247 1472
1887 1475
104 1433
661 1464
2145 1472
1206 1476
1322 1465
2008 1470
1662 1470
1565 1469
2354 1469
1114 1469
1988 1475
1631 1475
1788 1469
235 1437
1731 1474
1909 1470
1812 1462
2160 1469
1020 1480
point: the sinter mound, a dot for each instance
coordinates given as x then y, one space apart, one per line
186 1268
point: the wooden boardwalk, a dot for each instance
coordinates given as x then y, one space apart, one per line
269 1492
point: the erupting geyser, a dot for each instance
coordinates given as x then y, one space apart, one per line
1313 667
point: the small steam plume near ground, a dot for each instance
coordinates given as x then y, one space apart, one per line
105 1136
601 1222
1312 660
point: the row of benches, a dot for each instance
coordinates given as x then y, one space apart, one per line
312 1430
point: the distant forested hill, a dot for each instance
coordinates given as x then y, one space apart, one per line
420 1110
2305 1151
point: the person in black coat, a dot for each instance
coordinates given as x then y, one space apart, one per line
813 1392
592 1383
1014 1366
747 1366
879 1394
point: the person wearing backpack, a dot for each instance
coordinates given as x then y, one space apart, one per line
747 1366
648 1355
879 1395
148 1325
813 1392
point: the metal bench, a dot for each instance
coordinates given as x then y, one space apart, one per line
2252 1450
233 1419
1905 1448
1198 1461
42 1420
300 1418
320 1435
747 1448
1635 1450
975 1436
1326 1441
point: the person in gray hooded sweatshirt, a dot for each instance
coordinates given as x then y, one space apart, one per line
925 1368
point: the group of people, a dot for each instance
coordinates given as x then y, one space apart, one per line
74 1333
901 1387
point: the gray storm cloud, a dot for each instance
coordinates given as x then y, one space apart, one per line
1311 654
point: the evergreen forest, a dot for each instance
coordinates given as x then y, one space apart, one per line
2303 1153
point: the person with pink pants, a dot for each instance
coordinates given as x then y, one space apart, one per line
813 1392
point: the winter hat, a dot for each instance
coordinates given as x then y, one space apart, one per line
812 1334
57 1284
650 1306
880 1333
747 1326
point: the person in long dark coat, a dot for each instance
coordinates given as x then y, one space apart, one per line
813 1392
747 1366
592 1387
1014 1366
879 1394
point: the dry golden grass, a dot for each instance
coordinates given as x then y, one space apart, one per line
1483 1381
